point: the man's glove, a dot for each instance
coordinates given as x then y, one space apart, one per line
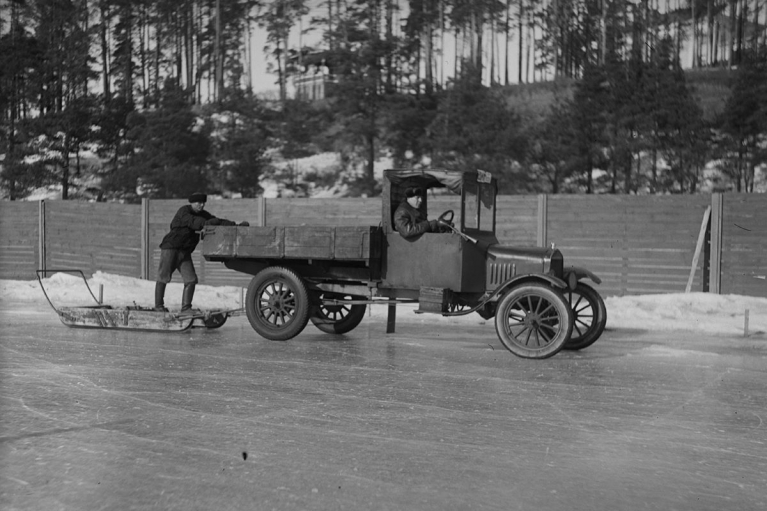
243 224
433 226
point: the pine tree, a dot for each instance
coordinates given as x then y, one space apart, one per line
745 122
169 154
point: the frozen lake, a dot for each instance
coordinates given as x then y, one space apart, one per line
438 416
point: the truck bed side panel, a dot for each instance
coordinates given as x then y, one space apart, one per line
283 242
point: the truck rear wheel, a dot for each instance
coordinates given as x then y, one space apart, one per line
277 304
337 318
589 316
533 321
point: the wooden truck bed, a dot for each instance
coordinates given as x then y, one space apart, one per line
292 242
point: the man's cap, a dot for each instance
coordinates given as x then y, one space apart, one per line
198 197
412 192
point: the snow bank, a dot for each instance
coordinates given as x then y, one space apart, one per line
701 312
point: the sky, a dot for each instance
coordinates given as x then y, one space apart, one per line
696 312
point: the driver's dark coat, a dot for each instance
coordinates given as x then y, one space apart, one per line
410 221
185 227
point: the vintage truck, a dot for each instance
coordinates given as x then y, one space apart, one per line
328 275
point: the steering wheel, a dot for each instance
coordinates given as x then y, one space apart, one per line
446 217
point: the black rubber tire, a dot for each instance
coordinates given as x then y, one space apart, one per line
277 303
337 319
589 316
215 321
533 320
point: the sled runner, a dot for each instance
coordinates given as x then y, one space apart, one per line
133 317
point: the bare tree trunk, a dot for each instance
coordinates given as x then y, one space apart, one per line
129 63
189 48
492 52
520 51
556 37
330 23
479 28
457 52
198 50
248 55
389 63
176 31
428 36
143 30
731 38
603 35
755 41
694 26
220 59
157 57
442 42
105 51
530 36
507 45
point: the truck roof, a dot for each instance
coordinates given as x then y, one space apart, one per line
435 178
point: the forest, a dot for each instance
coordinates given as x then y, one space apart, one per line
121 100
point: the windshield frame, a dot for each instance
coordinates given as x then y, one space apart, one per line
478 206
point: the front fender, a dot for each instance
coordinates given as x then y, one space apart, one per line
581 273
530 277
501 290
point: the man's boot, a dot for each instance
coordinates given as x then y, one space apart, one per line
159 297
186 297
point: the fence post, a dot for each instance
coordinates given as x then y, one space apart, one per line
717 210
262 211
41 235
145 239
543 219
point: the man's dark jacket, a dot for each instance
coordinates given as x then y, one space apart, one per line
185 227
411 222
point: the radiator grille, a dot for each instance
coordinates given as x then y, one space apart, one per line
500 273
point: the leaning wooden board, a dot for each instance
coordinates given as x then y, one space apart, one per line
292 242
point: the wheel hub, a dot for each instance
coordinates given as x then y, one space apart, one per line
277 302
533 320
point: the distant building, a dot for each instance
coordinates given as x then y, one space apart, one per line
310 87
311 84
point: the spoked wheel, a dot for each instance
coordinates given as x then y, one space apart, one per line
338 318
277 304
533 321
589 316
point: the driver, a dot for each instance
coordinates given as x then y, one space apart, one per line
409 219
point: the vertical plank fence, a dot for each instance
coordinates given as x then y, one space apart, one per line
93 237
19 239
744 245
645 244
636 244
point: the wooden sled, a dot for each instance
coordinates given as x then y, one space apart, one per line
133 317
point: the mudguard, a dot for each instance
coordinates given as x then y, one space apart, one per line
582 273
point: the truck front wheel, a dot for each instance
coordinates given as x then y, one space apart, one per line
337 318
277 304
533 321
589 316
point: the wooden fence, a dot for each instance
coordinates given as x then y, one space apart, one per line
636 244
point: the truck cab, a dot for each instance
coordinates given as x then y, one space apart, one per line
439 260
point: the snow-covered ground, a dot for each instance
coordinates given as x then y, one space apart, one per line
701 312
